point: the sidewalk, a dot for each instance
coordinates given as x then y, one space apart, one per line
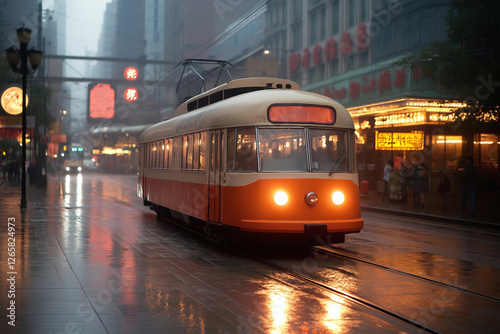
487 208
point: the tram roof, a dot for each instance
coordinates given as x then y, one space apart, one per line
248 109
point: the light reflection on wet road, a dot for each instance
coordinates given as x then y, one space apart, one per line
92 258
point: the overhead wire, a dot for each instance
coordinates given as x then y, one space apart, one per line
169 72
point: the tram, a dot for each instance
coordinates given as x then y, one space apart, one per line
255 156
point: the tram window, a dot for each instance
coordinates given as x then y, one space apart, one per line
282 149
329 150
203 143
157 154
231 148
177 153
168 153
243 155
161 152
189 156
153 155
196 151
187 152
212 153
165 154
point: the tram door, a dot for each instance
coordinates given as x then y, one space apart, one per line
214 181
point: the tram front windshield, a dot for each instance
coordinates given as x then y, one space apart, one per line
287 149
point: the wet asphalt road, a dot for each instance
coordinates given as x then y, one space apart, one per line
90 258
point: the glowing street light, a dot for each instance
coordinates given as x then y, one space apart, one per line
18 61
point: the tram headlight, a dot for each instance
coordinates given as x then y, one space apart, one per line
68 169
338 197
311 198
280 198
79 168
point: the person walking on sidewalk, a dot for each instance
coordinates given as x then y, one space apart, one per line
420 185
469 185
444 187
387 173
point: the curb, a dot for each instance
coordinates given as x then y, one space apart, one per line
436 218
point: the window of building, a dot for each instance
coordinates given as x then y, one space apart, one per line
313 28
297 9
489 145
297 37
365 10
446 151
352 12
322 24
335 17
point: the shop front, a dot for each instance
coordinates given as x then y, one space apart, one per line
403 117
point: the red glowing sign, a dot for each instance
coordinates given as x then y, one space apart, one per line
131 73
301 114
101 101
131 94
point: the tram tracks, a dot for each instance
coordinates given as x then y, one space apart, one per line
436 303
421 309
350 297
329 251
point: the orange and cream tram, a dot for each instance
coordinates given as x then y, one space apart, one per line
255 156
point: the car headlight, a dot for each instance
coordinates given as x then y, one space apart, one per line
281 198
79 168
68 169
338 197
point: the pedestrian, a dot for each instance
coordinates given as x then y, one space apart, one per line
469 185
389 167
444 187
4 169
420 184
406 175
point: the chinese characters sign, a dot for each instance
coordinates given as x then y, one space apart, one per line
399 141
131 73
131 94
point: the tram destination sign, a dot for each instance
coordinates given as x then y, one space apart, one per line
399 141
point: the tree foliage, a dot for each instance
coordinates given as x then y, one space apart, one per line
467 65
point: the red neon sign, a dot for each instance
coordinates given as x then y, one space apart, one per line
301 114
131 73
131 94
102 101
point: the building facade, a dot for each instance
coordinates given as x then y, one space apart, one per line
348 50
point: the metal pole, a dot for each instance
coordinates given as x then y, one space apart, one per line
24 72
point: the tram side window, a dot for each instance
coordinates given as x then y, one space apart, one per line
168 153
282 149
177 153
329 150
187 152
242 154
152 161
196 151
161 153
202 145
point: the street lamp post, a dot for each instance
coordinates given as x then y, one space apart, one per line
18 61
